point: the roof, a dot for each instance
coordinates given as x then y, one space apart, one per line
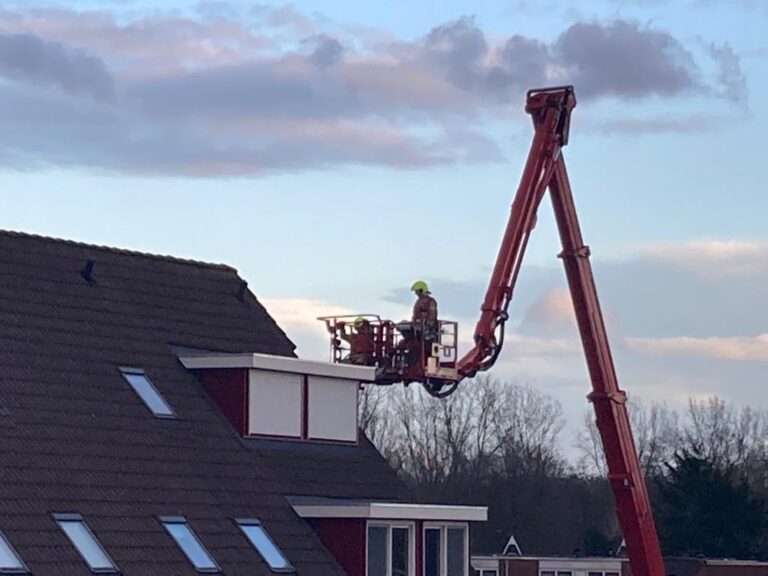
308 507
279 364
76 438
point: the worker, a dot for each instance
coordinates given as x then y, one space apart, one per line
361 342
424 312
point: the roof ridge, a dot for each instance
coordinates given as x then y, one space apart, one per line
115 250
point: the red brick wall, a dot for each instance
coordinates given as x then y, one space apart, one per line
518 567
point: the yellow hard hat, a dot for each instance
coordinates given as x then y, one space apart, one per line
359 321
419 286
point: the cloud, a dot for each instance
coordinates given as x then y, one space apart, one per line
28 57
714 258
247 91
734 348
731 77
551 314
622 59
691 124
299 318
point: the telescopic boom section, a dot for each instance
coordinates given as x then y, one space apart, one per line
545 168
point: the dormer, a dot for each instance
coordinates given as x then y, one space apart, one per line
283 398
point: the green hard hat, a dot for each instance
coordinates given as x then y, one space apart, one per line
419 286
359 321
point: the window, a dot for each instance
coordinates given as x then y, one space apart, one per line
446 550
147 392
189 544
265 546
433 556
547 573
591 573
564 573
85 542
9 560
302 407
275 404
332 409
489 573
390 550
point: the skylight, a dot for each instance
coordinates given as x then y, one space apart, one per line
85 542
265 546
147 392
9 560
189 544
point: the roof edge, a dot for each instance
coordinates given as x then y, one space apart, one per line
115 250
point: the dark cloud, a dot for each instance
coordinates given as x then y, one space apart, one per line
29 58
730 75
327 51
622 59
217 94
693 124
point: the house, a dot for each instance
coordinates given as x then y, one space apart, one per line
154 420
517 565
500 565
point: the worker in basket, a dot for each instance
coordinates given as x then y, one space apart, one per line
361 342
422 331
424 312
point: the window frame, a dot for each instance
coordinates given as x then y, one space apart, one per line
243 522
443 527
128 370
165 520
22 567
390 525
78 518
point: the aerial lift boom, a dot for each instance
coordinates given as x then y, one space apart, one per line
440 370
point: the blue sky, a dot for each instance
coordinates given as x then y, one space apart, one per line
335 151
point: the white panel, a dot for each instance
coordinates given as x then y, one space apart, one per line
274 403
332 409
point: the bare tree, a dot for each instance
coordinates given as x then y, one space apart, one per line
729 437
486 427
655 429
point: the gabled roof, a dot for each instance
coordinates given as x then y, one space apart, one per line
76 438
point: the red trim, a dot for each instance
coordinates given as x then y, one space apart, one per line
299 439
245 374
274 436
305 408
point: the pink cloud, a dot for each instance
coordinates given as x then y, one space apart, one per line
724 348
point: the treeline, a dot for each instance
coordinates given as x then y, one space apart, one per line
498 444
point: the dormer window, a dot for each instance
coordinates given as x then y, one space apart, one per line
283 398
10 563
147 392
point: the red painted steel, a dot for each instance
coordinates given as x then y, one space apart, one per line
345 539
545 168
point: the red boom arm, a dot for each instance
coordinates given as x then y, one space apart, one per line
545 168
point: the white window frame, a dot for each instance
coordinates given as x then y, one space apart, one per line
443 527
389 525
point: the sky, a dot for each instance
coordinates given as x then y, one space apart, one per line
336 151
